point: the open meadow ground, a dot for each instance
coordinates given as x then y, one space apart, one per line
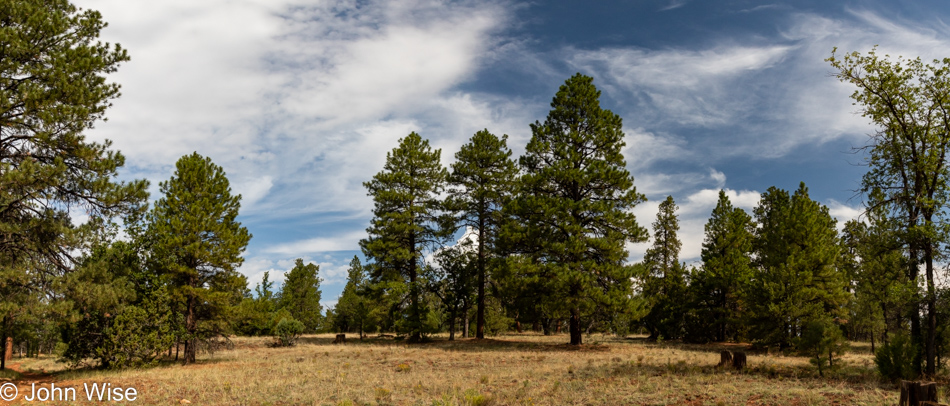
523 369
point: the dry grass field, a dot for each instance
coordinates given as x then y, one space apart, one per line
523 369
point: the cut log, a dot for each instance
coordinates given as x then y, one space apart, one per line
340 339
918 393
738 360
725 358
927 392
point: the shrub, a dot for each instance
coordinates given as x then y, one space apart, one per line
822 340
287 332
895 360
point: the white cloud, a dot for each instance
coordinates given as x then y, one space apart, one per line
674 4
299 100
645 148
345 242
843 213
688 87
771 96
693 213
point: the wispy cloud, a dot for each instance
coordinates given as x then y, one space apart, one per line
674 4
345 242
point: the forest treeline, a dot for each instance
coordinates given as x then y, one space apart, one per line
547 241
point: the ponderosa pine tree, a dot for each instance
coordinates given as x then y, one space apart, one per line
53 87
300 295
796 279
354 309
198 237
716 288
907 101
664 286
407 219
572 210
482 180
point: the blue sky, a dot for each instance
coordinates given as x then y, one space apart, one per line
300 100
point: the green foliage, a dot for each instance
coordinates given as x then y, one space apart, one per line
496 319
453 280
200 243
572 211
716 288
122 314
355 310
822 340
53 87
139 333
895 360
407 218
874 260
482 181
907 158
796 278
664 284
300 295
287 331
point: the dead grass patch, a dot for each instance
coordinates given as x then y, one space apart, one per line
522 369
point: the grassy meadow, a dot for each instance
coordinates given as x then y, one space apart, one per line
518 369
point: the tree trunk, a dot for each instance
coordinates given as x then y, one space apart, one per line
414 310
465 321
576 334
7 343
191 325
931 351
872 342
480 301
884 333
452 321
916 334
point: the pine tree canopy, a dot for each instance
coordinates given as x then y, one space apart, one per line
407 217
300 295
482 181
200 242
574 202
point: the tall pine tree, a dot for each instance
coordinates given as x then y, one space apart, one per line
199 240
482 181
300 295
572 211
665 280
354 309
53 87
407 218
717 287
796 279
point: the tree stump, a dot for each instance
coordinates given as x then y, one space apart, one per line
738 360
918 393
340 339
725 358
